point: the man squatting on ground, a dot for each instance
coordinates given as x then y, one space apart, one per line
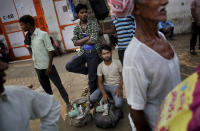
42 51
86 35
19 105
109 74
151 68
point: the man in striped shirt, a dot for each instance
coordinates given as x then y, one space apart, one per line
125 29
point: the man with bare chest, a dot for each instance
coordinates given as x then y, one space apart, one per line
86 35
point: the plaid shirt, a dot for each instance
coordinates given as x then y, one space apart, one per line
92 30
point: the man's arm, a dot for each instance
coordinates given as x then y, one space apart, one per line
101 87
94 34
48 70
29 49
139 120
136 85
119 90
49 47
82 41
170 23
76 40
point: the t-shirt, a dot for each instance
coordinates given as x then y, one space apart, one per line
148 78
125 27
110 73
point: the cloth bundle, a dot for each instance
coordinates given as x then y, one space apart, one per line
180 110
121 8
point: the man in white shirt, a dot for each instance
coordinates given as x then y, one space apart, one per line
151 67
19 105
42 51
109 74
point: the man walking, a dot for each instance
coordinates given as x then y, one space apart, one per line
42 54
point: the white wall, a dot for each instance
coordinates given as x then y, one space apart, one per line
51 19
179 13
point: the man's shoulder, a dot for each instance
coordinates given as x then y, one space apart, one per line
77 26
134 46
116 61
17 89
41 32
92 21
135 51
101 64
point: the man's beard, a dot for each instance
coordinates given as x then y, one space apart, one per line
108 59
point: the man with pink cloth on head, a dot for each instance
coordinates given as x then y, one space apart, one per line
123 24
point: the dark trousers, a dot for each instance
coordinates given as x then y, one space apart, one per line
121 55
78 65
55 78
195 33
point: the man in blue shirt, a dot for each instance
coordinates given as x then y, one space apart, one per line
166 27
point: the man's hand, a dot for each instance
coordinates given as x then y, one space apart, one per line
105 98
87 38
118 92
48 71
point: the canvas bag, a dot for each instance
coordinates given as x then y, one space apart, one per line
108 121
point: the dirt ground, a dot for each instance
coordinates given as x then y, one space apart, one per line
23 73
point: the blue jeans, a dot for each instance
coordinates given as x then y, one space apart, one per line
108 89
78 65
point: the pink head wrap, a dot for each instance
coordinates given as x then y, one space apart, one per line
120 8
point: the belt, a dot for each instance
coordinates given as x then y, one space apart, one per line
90 51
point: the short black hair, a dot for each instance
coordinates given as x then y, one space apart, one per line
80 7
27 19
106 47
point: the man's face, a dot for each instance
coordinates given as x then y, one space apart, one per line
25 27
154 10
82 15
3 67
106 55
